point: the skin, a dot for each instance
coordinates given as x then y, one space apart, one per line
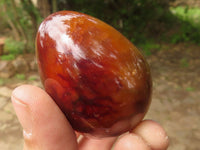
46 128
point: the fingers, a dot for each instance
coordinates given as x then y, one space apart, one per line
148 135
45 126
153 134
131 142
87 143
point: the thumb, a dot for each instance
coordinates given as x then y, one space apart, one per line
44 125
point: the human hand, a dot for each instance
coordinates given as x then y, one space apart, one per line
46 128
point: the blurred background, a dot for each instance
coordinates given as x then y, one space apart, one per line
166 31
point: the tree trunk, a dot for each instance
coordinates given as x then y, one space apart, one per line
29 8
54 5
44 7
16 33
19 26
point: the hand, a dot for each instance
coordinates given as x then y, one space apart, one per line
46 128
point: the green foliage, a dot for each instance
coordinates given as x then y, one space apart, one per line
175 38
191 15
149 46
13 47
20 76
134 18
23 18
186 33
189 22
7 57
141 20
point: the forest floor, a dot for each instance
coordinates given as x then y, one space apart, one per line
175 102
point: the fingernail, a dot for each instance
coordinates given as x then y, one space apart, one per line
23 113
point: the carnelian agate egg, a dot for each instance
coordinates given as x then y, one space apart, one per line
97 77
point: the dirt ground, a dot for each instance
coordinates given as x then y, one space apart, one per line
175 102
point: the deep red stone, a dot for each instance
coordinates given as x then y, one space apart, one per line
97 77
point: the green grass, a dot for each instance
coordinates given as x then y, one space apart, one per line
149 46
32 78
7 57
14 47
184 62
20 76
190 89
1 81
